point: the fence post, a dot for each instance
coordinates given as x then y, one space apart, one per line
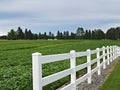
115 52
98 61
108 55
118 51
37 71
104 64
89 66
111 53
73 66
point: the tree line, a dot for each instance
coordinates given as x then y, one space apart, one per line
98 34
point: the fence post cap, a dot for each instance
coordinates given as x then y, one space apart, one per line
72 51
88 50
36 54
103 47
97 48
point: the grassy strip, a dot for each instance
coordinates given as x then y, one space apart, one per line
113 81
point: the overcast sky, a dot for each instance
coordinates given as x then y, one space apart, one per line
54 15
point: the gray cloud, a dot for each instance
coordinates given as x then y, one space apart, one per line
40 14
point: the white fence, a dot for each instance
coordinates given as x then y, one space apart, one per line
109 54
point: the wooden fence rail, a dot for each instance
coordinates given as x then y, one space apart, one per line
107 54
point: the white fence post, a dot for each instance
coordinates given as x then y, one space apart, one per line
73 65
37 71
108 55
115 51
98 61
111 53
104 64
89 66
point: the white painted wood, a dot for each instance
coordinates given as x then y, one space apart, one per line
89 66
73 67
81 79
37 60
98 61
56 76
53 58
111 53
68 87
81 54
93 51
94 61
108 55
104 66
81 66
37 71
94 70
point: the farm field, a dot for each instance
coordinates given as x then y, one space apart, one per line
16 60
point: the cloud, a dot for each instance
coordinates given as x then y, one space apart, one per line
46 15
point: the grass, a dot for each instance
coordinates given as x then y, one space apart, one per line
16 60
113 81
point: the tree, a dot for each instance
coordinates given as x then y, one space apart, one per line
93 35
79 33
72 36
30 35
66 35
40 36
113 33
59 35
86 36
26 34
3 37
11 35
45 35
35 36
20 34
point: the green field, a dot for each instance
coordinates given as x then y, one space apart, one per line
16 60
113 81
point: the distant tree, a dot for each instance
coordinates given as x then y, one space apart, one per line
86 36
89 34
72 36
45 35
40 36
35 36
93 35
30 35
59 35
80 33
26 34
20 34
3 37
98 34
117 33
113 33
51 35
66 35
11 35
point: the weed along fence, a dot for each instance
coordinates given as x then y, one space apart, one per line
104 56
